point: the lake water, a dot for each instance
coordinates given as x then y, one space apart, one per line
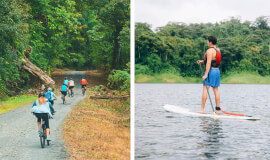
165 135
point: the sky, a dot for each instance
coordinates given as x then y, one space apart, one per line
159 12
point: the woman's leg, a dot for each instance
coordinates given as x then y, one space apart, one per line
46 119
204 97
38 122
217 96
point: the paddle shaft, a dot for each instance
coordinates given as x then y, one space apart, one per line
207 89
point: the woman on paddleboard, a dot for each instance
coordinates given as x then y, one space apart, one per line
211 78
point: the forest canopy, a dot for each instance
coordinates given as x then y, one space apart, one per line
175 48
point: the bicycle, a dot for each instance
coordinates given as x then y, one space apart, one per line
71 92
42 134
63 98
83 90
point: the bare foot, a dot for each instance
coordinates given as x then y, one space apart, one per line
202 112
217 112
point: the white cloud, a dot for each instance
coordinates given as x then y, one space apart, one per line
160 12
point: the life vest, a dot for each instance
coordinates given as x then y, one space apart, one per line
215 61
71 83
83 82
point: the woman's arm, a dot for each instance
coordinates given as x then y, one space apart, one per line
208 63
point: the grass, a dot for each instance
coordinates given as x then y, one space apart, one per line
15 102
165 78
230 78
98 129
245 78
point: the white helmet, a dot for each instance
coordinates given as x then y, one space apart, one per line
49 89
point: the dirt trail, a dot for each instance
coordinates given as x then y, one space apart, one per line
18 128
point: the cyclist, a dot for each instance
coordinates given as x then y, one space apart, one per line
64 89
41 109
83 83
71 85
50 96
66 81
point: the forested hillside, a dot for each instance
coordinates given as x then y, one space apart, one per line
175 48
74 34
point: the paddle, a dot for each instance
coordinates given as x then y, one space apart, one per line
214 113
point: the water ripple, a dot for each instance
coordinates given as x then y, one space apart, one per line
166 135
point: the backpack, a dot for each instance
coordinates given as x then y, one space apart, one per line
48 95
51 96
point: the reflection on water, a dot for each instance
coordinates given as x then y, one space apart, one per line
210 144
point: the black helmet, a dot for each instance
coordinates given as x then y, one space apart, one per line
41 94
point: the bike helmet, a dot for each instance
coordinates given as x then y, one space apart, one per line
49 89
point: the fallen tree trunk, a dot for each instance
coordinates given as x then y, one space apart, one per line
34 70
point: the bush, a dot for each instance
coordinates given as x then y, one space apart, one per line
99 88
142 69
119 80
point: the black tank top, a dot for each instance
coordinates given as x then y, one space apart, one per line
213 62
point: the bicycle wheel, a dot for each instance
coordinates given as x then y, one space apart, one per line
83 91
63 99
42 136
72 94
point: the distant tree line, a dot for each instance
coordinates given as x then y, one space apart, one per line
175 48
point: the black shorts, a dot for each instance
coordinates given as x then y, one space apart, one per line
51 102
45 118
64 93
83 86
71 87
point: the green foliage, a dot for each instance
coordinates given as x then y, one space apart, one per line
176 47
13 39
142 69
73 34
119 80
99 88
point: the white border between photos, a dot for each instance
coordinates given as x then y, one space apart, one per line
132 82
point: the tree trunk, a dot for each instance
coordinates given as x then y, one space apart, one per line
139 52
34 70
116 52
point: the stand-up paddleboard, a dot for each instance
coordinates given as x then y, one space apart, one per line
185 111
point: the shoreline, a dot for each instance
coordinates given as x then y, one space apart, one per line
231 78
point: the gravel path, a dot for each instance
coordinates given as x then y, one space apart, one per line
19 138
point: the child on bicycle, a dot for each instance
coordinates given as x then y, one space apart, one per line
41 109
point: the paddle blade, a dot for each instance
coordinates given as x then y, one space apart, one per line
214 116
